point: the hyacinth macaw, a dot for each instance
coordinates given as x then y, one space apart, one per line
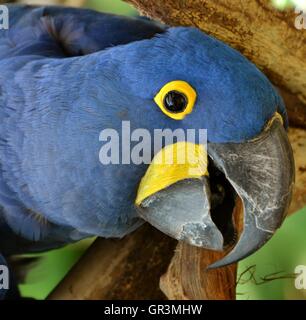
66 74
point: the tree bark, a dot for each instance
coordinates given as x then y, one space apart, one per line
188 278
126 269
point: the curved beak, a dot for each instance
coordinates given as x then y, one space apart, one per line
262 173
196 205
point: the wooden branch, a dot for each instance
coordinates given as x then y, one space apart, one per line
188 279
262 33
129 268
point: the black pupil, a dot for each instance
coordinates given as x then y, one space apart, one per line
175 101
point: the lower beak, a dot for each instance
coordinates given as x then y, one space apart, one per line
196 205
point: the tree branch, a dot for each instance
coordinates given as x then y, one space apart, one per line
187 277
127 268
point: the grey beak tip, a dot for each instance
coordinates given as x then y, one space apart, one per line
202 235
219 264
213 266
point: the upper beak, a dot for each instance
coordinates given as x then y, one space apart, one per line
197 207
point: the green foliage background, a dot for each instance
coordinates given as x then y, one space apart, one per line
267 274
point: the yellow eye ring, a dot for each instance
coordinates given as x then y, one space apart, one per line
176 99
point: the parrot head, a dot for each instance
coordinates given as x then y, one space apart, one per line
180 79
184 79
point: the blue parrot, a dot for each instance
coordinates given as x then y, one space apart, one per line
66 74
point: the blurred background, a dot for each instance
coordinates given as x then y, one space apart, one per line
268 274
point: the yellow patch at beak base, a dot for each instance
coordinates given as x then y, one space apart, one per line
175 162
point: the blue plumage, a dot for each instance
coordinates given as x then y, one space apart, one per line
57 33
66 74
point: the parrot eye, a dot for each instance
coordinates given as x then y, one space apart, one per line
176 99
